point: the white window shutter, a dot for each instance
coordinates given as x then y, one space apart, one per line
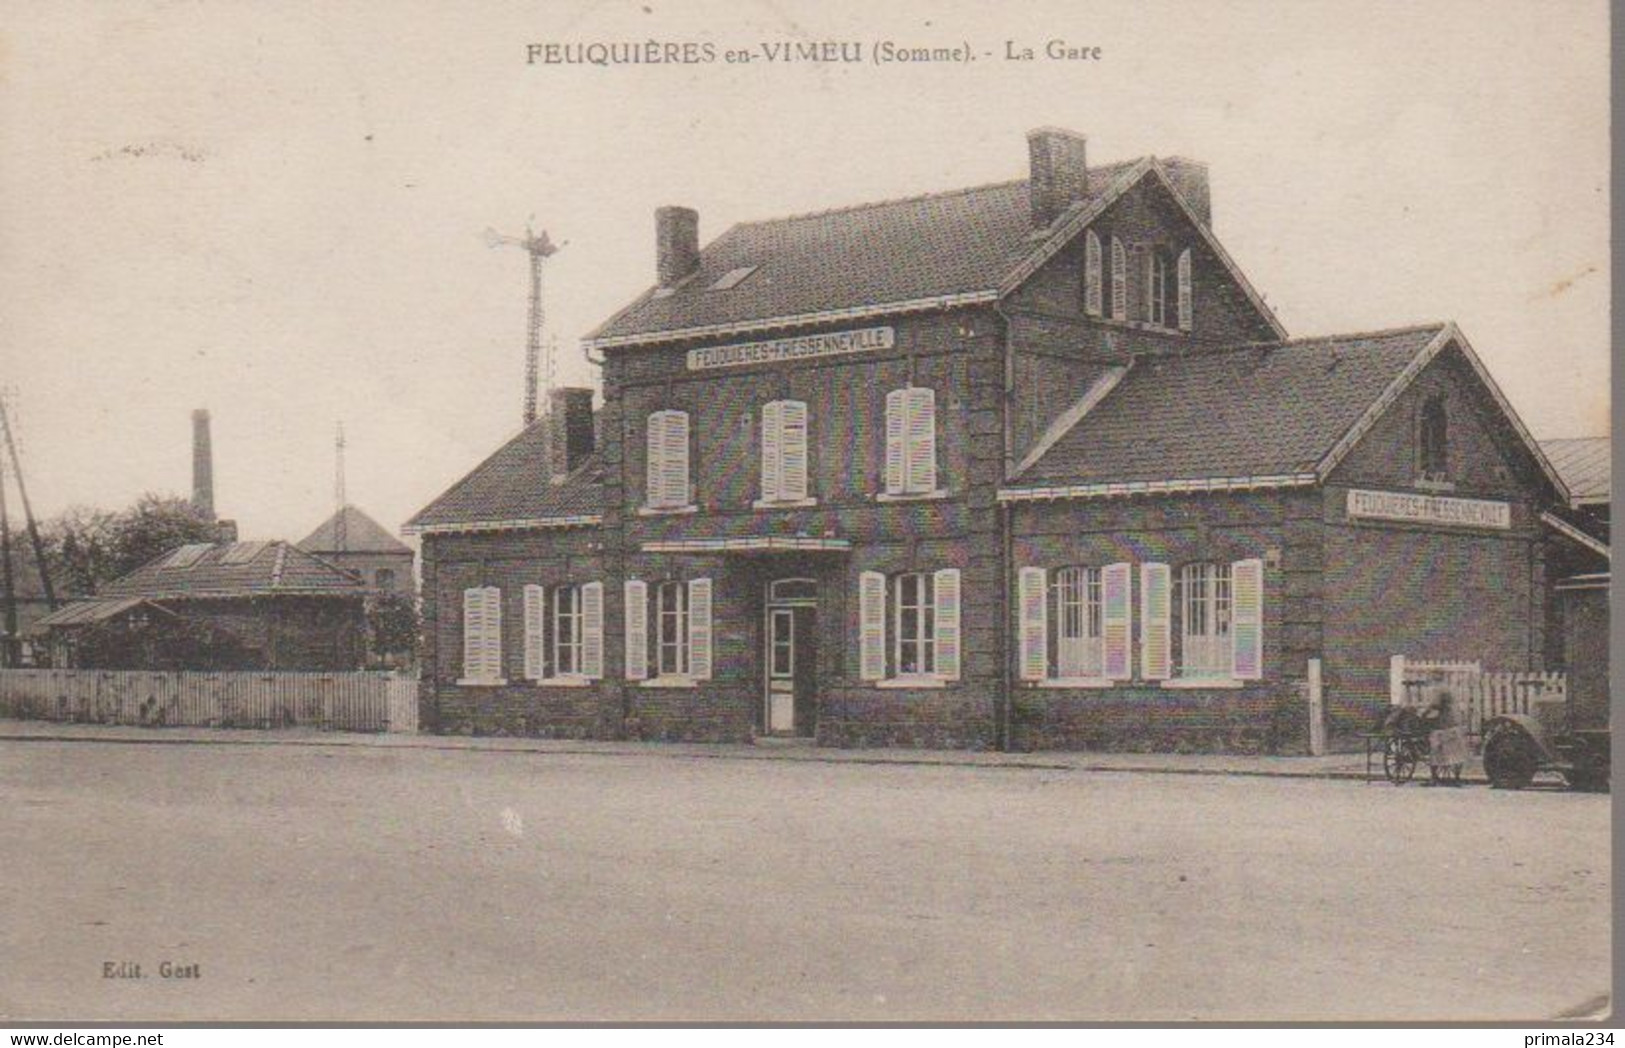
592 630
1091 274
1119 281
773 451
871 625
1247 619
1185 297
1156 630
637 629
473 632
1032 604
668 478
655 479
896 425
1115 614
699 629
492 664
921 441
793 450
535 648
949 635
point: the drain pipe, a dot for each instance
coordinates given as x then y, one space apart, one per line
1006 707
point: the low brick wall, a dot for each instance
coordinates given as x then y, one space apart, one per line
527 711
955 718
712 712
1269 718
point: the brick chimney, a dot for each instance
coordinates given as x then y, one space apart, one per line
570 431
202 465
677 244
1059 172
1189 178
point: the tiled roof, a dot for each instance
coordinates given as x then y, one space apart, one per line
513 485
236 569
362 534
1261 410
920 248
1584 464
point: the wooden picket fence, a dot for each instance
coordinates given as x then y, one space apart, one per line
1479 694
361 701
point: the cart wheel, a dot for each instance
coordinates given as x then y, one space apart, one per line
1510 759
1398 760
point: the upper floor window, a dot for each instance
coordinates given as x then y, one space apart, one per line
1092 276
784 452
908 625
1433 440
911 441
1156 288
564 631
668 483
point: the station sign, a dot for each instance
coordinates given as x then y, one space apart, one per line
800 347
1430 509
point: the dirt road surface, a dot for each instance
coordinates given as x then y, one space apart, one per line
355 884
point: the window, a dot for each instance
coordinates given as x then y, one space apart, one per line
1091 274
732 278
482 636
1119 280
911 441
564 631
1434 440
679 616
1078 623
668 484
188 555
1156 285
672 612
384 578
909 626
784 452
1074 623
1204 620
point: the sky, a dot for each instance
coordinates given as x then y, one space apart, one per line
277 211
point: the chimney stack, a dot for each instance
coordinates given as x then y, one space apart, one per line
570 431
202 465
1058 172
1189 178
677 244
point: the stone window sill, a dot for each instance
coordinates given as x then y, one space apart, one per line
667 511
1078 682
911 682
569 680
669 682
1137 325
783 503
481 682
912 496
1198 683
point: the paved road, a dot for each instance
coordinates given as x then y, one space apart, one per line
414 884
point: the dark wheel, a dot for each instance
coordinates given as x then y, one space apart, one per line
1398 760
1510 759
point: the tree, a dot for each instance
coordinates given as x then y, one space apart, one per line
86 548
392 627
78 549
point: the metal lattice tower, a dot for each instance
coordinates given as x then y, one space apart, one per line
341 527
539 352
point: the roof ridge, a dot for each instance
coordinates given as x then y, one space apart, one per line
910 199
1436 325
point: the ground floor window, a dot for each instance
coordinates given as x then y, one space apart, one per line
1075 595
564 631
668 630
909 625
1204 636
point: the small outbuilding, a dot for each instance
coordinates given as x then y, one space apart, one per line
354 541
209 606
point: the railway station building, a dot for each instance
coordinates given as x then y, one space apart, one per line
1027 465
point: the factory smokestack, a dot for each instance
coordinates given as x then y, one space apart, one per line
202 465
